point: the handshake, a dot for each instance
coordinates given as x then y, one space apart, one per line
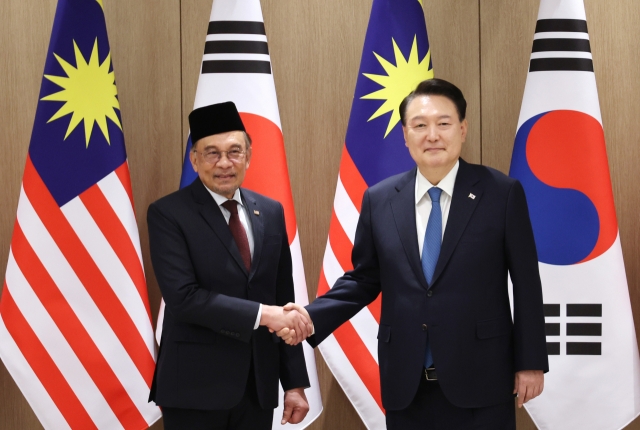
291 322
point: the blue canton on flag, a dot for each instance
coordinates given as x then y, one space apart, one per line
395 58
71 153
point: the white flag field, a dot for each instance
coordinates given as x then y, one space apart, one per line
236 67
560 157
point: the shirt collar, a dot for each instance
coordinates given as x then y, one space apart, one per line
221 199
446 184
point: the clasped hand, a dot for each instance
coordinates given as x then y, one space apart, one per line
291 322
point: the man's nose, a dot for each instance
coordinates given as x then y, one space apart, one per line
432 134
224 160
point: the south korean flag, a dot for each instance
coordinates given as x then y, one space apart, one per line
560 157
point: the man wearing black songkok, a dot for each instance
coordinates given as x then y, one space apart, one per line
222 260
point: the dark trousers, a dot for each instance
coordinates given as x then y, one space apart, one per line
246 415
430 410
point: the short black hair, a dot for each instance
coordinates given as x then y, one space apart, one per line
435 87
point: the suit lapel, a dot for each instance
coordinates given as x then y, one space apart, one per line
462 207
403 206
212 214
257 227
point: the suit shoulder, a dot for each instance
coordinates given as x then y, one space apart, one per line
392 183
493 175
260 198
171 199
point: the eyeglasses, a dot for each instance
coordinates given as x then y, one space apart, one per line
213 156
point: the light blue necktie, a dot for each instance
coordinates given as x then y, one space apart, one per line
431 249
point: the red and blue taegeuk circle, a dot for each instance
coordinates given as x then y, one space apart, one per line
560 158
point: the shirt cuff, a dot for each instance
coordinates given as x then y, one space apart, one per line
257 324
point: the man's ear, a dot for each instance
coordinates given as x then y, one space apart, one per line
464 127
404 133
192 158
248 156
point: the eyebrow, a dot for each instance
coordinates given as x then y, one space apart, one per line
213 146
423 117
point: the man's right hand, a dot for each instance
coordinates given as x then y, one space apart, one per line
288 335
297 324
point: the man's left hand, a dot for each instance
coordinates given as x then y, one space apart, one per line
528 385
295 406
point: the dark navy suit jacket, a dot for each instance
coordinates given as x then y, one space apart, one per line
208 340
476 346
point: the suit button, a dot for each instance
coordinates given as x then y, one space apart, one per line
237 334
424 327
429 293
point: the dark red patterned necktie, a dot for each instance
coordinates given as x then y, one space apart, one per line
238 232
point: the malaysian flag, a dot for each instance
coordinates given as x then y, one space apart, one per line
395 58
560 157
75 326
236 66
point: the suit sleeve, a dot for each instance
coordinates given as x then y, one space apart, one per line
293 368
522 259
355 289
187 302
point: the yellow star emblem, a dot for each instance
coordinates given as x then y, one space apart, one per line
89 92
400 80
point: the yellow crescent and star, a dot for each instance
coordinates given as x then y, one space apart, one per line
399 81
89 92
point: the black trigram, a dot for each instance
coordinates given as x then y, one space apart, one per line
240 39
560 44
552 329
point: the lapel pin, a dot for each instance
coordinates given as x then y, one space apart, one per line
255 212
472 196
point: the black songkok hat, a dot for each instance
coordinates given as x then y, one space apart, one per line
214 119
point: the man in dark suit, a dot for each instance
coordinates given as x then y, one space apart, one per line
439 242
222 260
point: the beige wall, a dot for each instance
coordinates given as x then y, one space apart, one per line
483 46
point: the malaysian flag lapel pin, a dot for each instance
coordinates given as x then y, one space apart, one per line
472 196
255 212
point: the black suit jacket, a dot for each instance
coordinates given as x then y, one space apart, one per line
465 311
208 340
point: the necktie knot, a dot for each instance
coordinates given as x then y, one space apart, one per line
231 206
434 193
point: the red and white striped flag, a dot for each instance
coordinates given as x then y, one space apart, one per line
236 66
395 58
75 326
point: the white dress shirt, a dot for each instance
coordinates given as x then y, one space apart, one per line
245 221
423 201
